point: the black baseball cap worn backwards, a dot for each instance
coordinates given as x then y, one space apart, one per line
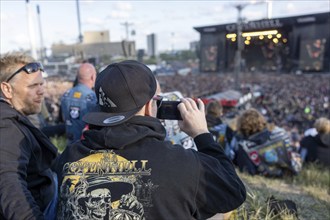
122 89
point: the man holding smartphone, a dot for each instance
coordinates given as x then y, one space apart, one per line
124 168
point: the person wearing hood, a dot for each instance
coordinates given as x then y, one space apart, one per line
124 169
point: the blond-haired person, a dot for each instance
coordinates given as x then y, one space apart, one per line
312 145
27 184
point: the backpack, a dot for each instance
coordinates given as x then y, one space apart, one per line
274 157
224 135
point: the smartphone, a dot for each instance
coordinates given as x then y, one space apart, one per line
168 110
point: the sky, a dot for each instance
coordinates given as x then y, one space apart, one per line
173 22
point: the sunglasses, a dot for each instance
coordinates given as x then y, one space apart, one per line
159 100
28 68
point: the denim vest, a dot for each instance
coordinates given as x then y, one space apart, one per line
75 103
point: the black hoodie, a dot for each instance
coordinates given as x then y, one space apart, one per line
26 155
129 172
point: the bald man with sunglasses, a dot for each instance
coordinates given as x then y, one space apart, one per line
28 186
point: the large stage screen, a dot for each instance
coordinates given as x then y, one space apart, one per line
209 58
312 54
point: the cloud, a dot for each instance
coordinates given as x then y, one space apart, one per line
15 43
290 7
11 36
89 1
4 17
119 15
20 39
254 15
123 6
119 11
94 21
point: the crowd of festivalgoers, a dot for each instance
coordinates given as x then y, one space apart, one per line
283 109
293 101
289 101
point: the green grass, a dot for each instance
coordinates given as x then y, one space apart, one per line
314 175
309 190
59 142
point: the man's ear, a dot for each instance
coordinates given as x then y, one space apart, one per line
93 77
148 108
6 90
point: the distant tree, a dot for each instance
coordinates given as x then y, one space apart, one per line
167 57
105 59
187 55
182 55
151 60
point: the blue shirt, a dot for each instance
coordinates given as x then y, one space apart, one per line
75 103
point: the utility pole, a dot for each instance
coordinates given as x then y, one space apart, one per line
172 39
31 31
269 9
240 45
42 49
238 59
80 37
127 25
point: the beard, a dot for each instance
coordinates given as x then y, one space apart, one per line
32 108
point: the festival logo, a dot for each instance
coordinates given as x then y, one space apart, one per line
105 185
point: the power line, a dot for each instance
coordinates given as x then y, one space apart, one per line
127 25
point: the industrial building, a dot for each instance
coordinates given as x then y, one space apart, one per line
95 45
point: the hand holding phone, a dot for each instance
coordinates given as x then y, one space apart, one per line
193 117
168 110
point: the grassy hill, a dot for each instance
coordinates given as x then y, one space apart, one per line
310 190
